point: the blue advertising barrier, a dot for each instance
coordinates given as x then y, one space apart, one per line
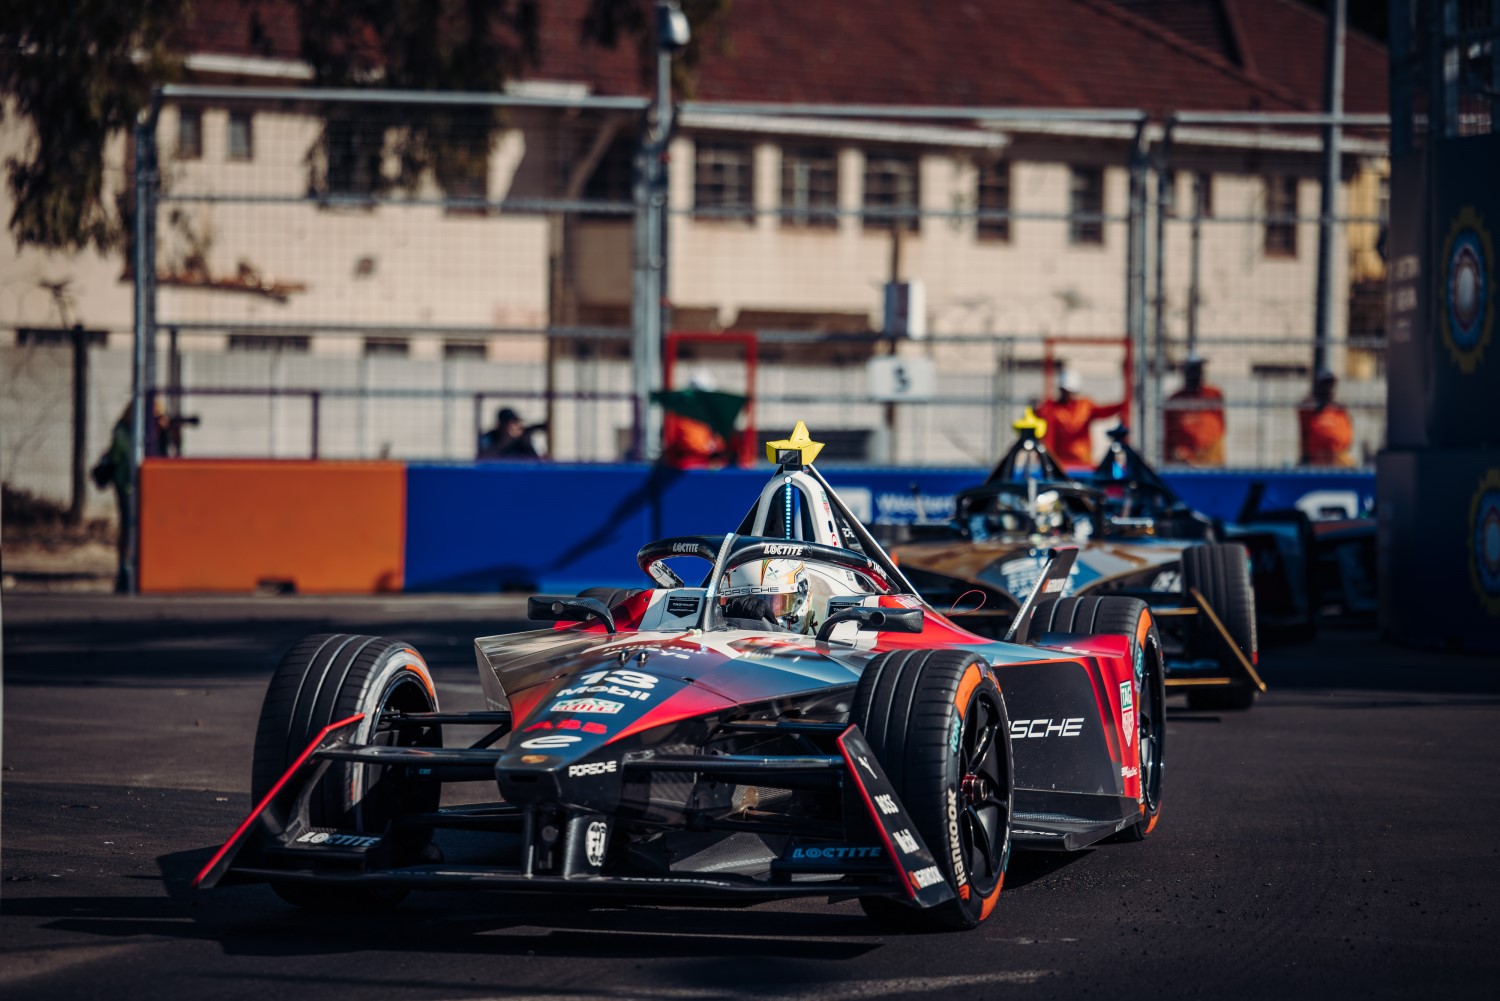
536 526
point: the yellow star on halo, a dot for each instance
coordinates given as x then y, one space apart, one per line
800 441
1030 421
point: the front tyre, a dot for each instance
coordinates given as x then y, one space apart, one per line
937 723
325 679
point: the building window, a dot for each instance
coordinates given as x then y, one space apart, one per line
1086 206
52 337
241 136
351 151
464 350
1196 202
1281 216
723 180
189 133
296 343
1203 194
387 347
809 186
994 197
892 191
462 166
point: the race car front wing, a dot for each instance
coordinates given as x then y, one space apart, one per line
277 843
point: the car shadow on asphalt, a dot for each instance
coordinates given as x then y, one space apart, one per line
250 920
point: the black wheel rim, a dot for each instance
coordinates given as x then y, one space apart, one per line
403 693
1150 733
983 796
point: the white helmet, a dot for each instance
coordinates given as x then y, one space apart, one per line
783 583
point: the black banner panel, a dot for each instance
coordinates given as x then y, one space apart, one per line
1438 514
1408 272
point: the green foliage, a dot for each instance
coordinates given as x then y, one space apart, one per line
79 72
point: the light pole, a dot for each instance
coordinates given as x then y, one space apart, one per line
649 284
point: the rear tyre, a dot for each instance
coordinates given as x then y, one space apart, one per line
325 679
1132 618
937 723
1221 573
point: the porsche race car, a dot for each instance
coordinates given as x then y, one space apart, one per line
792 720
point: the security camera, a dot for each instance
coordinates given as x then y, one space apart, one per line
672 31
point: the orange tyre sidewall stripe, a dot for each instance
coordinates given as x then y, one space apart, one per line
971 679
1142 628
989 902
422 675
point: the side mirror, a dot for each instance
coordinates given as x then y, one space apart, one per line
889 620
566 608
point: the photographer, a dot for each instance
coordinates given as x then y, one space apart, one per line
114 466
510 438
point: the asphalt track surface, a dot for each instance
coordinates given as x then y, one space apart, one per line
1339 840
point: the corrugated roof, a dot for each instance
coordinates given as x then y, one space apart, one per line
1157 55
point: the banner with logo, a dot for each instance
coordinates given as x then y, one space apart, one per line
1464 345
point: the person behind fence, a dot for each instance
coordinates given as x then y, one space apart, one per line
1068 419
1326 431
510 438
116 464
689 443
1194 419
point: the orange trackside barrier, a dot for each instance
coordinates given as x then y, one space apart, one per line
238 525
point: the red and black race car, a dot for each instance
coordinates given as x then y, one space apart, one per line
797 723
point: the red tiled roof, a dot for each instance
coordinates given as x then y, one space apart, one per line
1157 55
1277 40
1028 53
265 28
1288 42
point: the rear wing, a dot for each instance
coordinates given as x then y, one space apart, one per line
1049 585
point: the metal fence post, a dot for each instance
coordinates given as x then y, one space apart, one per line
1153 442
1328 201
1135 276
145 334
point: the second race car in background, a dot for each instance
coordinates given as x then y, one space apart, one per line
1135 538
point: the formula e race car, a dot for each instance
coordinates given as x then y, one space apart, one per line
1134 536
797 723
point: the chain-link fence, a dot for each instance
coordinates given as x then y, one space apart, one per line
346 275
329 285
1238 242
358 275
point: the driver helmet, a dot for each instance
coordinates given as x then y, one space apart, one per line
782 583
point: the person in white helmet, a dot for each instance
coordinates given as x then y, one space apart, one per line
775 591
1068 418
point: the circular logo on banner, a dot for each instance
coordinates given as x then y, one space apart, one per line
1468 290
1484 541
